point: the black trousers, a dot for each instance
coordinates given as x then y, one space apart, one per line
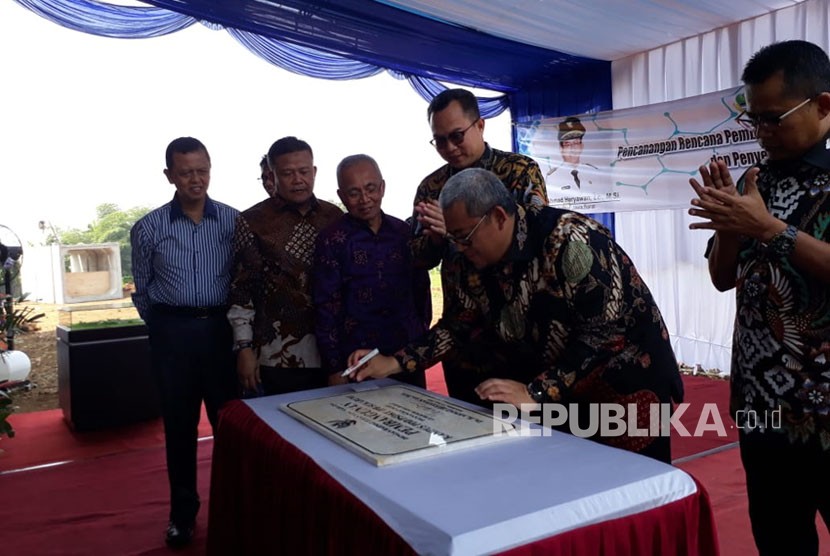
192 361
786 485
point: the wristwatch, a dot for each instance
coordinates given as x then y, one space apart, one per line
239 346
782 244
536 391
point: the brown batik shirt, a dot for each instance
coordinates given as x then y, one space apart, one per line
270 294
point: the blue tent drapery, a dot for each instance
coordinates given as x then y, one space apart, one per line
313 37
350 39
109 20
136 22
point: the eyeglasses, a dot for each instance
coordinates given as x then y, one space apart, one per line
767 120
467 240
369 190
456 137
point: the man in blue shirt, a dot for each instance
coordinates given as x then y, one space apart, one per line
181 254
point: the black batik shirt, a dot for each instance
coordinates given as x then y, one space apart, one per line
781 345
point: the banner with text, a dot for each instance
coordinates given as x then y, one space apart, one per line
639 158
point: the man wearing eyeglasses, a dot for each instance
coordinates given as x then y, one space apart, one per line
458 137
270 296
558 309
771 245
366 292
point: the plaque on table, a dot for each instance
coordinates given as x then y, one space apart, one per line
394 423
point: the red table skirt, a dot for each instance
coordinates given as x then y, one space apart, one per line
268 497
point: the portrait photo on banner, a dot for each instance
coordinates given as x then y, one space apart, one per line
639 158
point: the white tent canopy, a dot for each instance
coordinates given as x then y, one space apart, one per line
605 30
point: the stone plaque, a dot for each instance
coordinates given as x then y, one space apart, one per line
397 423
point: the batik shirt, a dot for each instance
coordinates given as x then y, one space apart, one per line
781 345
364 290
566 311
519 174
270 296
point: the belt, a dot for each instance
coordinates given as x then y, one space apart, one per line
192 312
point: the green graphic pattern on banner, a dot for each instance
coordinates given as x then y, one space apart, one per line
639 158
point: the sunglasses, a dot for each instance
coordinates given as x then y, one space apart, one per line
768 120
456 137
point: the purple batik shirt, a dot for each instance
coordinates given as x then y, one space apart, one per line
366 293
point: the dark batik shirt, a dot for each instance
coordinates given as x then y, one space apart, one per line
781 345
565 310
520 174
270 295
365 290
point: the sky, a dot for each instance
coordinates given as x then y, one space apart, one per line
85 120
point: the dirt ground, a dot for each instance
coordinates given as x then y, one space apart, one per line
41 347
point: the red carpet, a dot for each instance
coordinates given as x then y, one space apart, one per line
707 398
114 504
435 379
44 437
112 496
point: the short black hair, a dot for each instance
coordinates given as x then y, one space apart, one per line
805 68
467 100
287 145
264 162
183 145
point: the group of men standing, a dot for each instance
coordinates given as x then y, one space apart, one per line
290 289
540 304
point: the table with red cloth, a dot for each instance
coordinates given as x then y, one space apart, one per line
279 487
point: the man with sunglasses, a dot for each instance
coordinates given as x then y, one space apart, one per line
772 244
558 309
458 137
